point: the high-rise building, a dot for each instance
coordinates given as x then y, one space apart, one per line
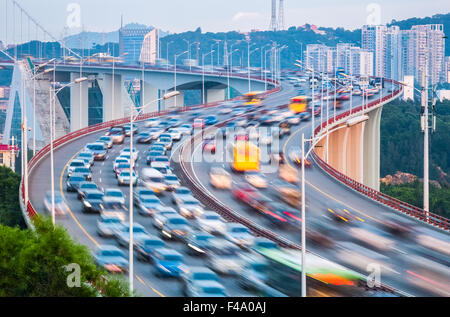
393 54
318 57
130 43
373 40
447 69
150 48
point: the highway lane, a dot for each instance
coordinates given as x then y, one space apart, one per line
323 193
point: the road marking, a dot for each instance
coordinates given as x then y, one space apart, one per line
145 284
80 225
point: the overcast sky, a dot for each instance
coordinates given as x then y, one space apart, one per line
217 15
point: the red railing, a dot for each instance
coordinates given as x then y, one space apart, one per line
408 209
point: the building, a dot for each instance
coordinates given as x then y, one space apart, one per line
318 57
393 54
408 91
150 48
443 94
130 43
8 154
373 40
447 68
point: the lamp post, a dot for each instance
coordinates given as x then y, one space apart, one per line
132 174
314 140
203 75
175 86
167 53
228 72
249 81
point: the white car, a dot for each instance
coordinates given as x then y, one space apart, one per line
255 179
219 178
74 164
175 134
126 151
185 129
226 110
212 223
240 235
114 196
224 257
119 161
150 123
124 178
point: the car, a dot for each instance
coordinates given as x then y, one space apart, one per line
174 122
154 180
158 148
117 134
114 210
111 258
172 182
277 158
206 289
126 177
107 225
144 137
289 173
210 120
225 110
189 207
239 234
86 172
168 263
175 134
295 155
122 167
166 142
145 248
61 208
212 223
75 164
163 126
219 178
175 228
209 146
87 157
244 192
114 196
288 193
74 181
294 120
153 122
198 242
155 133
152 155
122 234
196 274
126 151
160 217
264 243
179 194
305 116
341 214
128 129
148 205
92 201
224 257
99 150
107 140
257 180
185 129
198 124
161 167
281 214
119 160
83 186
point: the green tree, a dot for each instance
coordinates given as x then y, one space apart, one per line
10 214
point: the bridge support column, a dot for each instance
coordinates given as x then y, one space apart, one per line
355 152
371 165
79 104
150 93
112 97
214 95
336 150
170 103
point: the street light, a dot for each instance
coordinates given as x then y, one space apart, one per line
228 73
176 57
314 140
131 207
203 74
249 54
167 55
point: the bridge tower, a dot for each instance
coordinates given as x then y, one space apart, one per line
273 21
281 16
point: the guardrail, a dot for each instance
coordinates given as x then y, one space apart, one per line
391 202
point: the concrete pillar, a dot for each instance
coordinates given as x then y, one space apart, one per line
213 95
79 104
336 145
150 93
170 103
371 177
355 152
112 97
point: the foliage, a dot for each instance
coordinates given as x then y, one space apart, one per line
9 198
33 264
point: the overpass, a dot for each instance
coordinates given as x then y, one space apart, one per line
372 206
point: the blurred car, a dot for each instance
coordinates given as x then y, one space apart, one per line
148 205
372 239
155 133
175 228
119 160
160 217
107 225
92 201
263 243
189 207
86 172
87 157
113 195
153 122
244 192
194 275
289 174
125 178
154 180
152 155
340 213
219 178
75 164
122 234
161 167
83 186
198 124
174 122
144 137
212 223
277 158
126 151
168 263
179 194
172 182
254 278
117 134
256 179
146 247
166 142
305 116
294 120
111 258
198 242
61 208
175 133
209 146
158 148
128 129
206 289
211 120
185 129
224 257
239 234
99 150
122 167
74 181
295 155
288 193
107 140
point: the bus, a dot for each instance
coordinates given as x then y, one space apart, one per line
246 157
299 104
254 98
324 278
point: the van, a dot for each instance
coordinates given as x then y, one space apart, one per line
154 180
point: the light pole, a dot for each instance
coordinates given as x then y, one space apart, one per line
190 55
314 140
132 174
249 81
167 53
218 51
300 64
228 73
53 95
176 57
203 75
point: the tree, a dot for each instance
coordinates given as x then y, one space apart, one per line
10 214
33 264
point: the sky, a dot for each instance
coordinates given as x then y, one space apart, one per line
61 17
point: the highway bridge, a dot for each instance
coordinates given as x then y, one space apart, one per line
326 188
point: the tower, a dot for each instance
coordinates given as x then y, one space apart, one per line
281 16
273 21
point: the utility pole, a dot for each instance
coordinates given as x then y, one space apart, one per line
425 128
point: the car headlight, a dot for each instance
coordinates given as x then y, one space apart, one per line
184 211
87 204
